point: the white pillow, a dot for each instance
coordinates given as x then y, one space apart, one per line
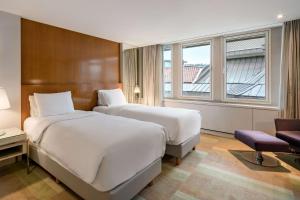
113 97
33 107
54 103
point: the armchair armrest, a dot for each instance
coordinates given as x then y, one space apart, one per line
287 124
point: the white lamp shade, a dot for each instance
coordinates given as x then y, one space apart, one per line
137 90
4 103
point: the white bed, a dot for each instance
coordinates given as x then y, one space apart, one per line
180 124
102 150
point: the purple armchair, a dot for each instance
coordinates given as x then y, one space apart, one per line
289 131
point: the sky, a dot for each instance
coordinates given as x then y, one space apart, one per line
193 55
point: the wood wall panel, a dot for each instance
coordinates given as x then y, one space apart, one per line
56 60
55 55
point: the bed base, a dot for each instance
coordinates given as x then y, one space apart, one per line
126 190
180 150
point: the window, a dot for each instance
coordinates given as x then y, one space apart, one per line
245 73
167 71
196 70
241 74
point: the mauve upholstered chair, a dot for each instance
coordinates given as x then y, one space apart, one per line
289 131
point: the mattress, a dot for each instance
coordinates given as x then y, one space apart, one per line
102 150
180 124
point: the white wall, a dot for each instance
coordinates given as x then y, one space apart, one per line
229 117
10 68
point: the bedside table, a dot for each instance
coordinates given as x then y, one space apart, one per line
13 143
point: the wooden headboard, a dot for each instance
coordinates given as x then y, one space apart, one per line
56 60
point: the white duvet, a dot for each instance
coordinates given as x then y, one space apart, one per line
180 124
102 150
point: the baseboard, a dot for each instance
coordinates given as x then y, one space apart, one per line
217 133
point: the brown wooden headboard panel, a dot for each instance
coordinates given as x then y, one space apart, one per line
57 60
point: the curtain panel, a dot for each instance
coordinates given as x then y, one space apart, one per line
152 75
291 70
130 76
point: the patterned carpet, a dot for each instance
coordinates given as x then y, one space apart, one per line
214 171
195 180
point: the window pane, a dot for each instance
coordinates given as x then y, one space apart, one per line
167 71
245 68
196 70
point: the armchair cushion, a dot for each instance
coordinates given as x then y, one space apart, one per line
292 137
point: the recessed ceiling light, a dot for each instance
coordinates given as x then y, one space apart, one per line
279 16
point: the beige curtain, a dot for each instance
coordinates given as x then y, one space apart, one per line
130 63
291 69
152 75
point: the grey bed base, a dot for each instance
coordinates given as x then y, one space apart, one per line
180 150
126 190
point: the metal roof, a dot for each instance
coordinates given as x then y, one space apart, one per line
245 75
245 78
189 73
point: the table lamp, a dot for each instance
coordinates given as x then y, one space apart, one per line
137 92
4 103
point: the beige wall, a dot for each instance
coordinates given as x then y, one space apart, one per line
275 65
10 68
228 118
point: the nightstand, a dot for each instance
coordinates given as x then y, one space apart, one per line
13 143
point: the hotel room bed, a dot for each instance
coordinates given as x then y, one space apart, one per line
182 126
96 155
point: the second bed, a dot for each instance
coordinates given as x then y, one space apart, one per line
182 126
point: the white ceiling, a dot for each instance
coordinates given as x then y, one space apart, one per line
144 22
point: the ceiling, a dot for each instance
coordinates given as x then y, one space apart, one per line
144 22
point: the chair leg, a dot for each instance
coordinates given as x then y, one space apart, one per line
178 161
259 157
57 180
151 183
